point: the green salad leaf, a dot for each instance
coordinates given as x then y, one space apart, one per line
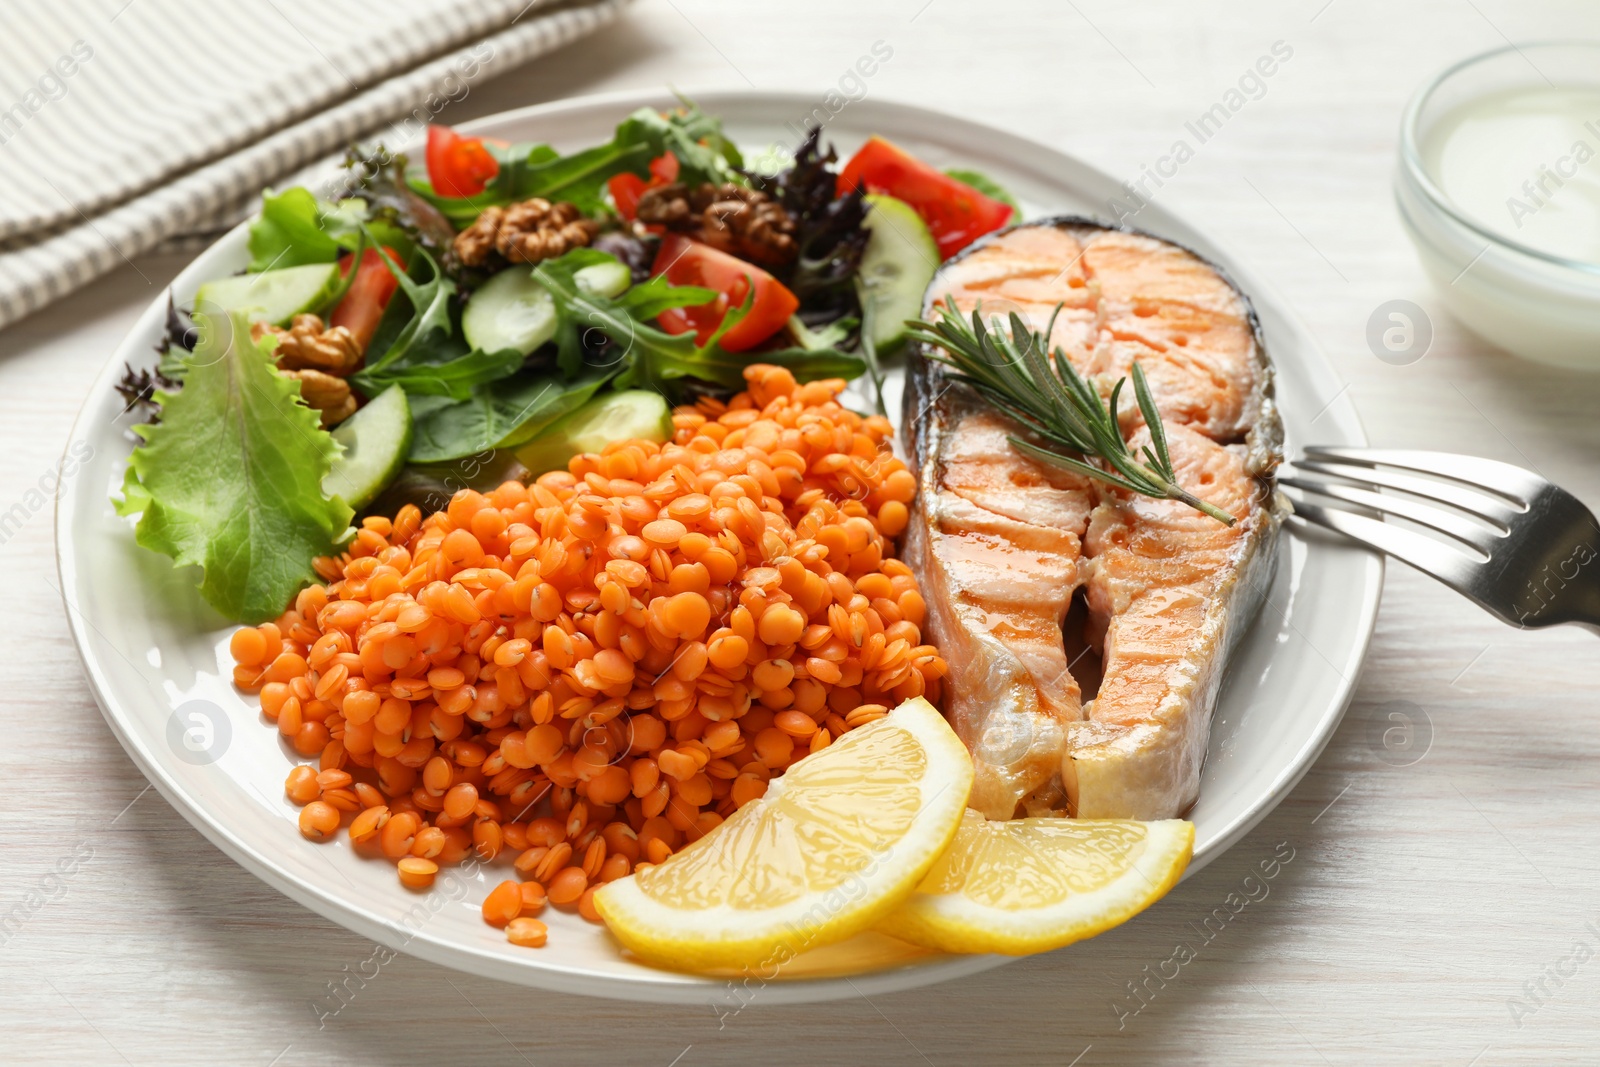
422 373
231 477
499 415
988 187
289 232
704 155
417 345
297 227
415 317
649 357
650 298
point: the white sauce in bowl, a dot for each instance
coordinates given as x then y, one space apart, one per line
1525 163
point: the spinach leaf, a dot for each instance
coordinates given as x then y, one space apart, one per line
501 414
428 370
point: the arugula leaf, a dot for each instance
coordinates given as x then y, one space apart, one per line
988 187
650 356
580 177
429 303
502 415
648 299
704 155
415 345
231 477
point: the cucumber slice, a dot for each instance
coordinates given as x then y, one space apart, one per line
604 279
376 441
618 416
896 267
513 311
273 295
509 311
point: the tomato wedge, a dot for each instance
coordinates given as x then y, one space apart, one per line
457 165
687 262
361 308
626 189
956 213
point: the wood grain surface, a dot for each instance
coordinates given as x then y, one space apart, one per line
1441 912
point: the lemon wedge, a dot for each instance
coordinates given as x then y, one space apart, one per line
837 842
1031 885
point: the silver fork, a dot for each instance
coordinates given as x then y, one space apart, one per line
1514 543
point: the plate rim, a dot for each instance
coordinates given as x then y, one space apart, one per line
666 986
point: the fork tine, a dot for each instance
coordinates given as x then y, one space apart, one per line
1424 553
1464 530
1491 508
1519 485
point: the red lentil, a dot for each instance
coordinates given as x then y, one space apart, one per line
503 904
529 932
417 873
319 821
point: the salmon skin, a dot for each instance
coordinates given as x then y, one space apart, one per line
1088 629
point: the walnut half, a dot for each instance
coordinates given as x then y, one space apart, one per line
329 395
308 345
525 232
745 222
318 359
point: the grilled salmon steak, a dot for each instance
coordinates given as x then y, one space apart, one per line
1087 627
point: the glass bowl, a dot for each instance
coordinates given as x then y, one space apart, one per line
1529 301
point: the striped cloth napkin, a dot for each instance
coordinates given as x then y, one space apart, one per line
127 124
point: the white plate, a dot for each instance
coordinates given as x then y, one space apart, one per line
151 646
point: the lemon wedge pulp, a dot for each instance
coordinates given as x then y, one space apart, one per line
836 843
1031 885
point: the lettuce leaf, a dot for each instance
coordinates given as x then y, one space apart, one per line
230 479
293 230
297 227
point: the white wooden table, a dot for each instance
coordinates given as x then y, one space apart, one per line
1431 913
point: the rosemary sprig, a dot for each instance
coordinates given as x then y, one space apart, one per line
1012 372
